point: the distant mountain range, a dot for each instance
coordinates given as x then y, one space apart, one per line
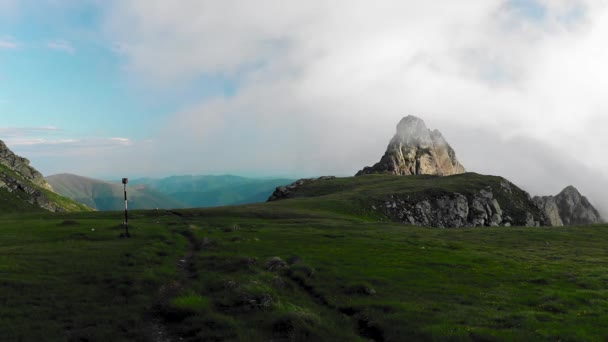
102 195
166 193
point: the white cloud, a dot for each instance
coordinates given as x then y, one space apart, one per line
61 45
26 131
7 6
321 84
17 142
121 141
7 43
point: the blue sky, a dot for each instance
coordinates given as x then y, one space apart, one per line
109 88
55 76
57 71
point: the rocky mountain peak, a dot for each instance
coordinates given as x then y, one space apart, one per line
570 191
568 208
416 150
21 166
412 130
22 185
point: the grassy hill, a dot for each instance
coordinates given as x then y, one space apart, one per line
103 195
310 268
385 196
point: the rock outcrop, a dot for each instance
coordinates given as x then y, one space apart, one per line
458 210
21 166
19 182
568 208
549 207
26 192
467 200
284 192
416 150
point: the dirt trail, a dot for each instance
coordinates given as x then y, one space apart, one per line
158 330
363 329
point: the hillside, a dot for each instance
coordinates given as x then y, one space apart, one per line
23 189
103 195
304 269
463 200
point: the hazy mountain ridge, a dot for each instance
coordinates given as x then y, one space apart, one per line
103 195
166 193
212 191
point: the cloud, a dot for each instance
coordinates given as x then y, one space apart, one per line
61 46
7 6
121 141
17 142
26 131
320 85
8 44
54 150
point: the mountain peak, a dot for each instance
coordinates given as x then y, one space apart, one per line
570 190
413 130
21 166
416 150
568 208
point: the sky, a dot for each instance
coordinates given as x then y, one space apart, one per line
111 88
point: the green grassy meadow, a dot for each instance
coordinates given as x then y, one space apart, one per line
215 274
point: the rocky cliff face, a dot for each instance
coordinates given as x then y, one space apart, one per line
22 181
467 200
568 208
549 207
503 206
21 166
416 150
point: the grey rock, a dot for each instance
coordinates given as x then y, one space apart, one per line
575 209
456 210
568 208
23 180
548 205
275 264
21 166
416 150
285 192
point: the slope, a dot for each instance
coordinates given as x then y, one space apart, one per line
286 271
23 189
463 200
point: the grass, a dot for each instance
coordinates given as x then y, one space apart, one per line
296 270
72 278
388 281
